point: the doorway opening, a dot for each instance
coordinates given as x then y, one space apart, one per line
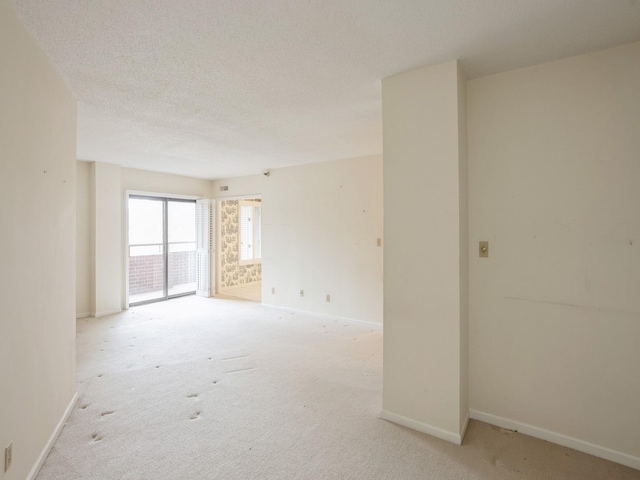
162 248
240 254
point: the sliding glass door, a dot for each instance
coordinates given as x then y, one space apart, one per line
146 249
162 248
181 237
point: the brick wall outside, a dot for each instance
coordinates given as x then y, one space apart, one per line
183 268
145 271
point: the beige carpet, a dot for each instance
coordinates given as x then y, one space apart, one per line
201 388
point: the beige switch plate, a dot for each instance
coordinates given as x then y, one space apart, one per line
483 249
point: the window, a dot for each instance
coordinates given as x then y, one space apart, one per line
250 238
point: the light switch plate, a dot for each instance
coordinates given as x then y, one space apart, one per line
483 249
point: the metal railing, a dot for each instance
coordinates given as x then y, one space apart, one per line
140 249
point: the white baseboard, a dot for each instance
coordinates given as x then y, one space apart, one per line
105 313
565 441
52 439
375 325
422 427
82 315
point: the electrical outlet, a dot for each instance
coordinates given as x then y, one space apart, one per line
302 293
273 290
328 297
8 456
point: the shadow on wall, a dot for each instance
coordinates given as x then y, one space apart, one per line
232 274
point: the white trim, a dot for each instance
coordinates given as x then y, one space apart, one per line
162 195
422 427
255 196
52 439
82 315
325 315
558 438
125 250
105 313
465 426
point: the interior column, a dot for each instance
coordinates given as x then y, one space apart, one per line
106 231
425 258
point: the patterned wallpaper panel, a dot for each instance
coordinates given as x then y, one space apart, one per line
232 274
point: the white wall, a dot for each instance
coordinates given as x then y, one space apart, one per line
425 263
238 186
153 182
463 240
554 184
106 231
37 247
84 240
320 226
103 262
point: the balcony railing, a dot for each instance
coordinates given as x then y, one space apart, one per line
146 268
140 249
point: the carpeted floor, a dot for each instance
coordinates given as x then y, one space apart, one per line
200 388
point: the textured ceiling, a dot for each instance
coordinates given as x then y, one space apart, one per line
224 88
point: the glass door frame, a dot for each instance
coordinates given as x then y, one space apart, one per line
165 199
